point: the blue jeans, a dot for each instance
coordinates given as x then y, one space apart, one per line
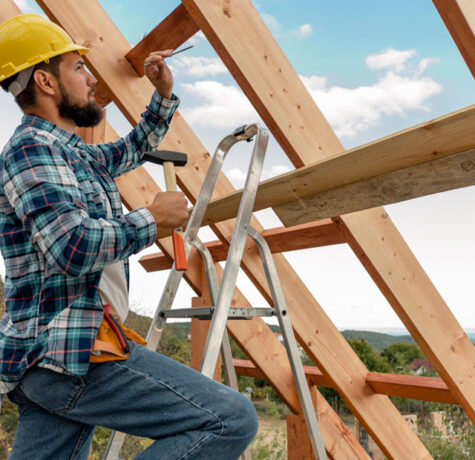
149 395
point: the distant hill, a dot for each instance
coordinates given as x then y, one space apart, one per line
378 340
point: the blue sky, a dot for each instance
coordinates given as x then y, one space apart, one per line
374 67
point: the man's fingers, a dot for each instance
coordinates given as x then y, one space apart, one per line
156 57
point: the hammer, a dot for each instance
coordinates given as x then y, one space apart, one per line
169 159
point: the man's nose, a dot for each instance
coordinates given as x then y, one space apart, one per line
91 80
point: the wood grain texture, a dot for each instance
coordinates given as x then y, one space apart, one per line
8 9
172 32
447 173
459 18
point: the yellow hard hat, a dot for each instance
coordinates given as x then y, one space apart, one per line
28 39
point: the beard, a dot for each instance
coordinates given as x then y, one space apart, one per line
84 115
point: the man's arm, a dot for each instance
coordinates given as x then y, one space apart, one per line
126 154
46 197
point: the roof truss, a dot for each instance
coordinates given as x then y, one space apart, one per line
249 51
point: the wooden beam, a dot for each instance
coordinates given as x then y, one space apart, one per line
247 48
459 18
172 32
429 158
411 386
254 337
434 176
404 386
8 9
282 239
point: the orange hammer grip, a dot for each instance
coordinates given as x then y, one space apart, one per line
179 251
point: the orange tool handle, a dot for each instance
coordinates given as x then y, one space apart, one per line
177 238
179 251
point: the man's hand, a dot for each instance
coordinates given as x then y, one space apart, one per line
158 72
169 209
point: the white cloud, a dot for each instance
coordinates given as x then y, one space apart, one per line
349 110
399 90
196 38
199 66
305 30
225 106
389 58
424 63
271 22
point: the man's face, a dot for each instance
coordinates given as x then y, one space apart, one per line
77 88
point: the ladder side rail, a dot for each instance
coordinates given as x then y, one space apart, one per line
226 353
283 316
236 249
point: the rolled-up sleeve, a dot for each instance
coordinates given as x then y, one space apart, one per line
126 154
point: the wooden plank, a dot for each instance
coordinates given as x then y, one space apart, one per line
404 386
8 9
411 386
298 441
429 158
459 18
254 337
247 48
333 432
282 239
172 32
435 176
339 440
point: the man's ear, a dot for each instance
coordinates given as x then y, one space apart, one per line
45 82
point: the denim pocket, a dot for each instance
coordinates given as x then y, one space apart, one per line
51 390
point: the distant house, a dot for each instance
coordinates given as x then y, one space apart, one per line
422 366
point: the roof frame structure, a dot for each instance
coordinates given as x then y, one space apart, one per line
306 137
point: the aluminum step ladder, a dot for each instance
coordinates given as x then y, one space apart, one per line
221 311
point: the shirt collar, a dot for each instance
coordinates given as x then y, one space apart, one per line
67 137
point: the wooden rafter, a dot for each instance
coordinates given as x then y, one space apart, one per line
404 386
173 31
312 235
138 189
459 18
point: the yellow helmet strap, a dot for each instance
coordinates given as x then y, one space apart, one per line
21 81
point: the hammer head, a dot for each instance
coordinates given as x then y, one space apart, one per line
161 156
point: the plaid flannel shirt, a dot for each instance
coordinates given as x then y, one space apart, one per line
56 239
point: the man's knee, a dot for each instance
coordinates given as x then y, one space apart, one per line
241 419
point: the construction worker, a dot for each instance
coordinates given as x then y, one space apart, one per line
65 360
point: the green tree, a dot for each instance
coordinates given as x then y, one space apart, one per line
371 358
400 355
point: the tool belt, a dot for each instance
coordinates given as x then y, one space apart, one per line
111 342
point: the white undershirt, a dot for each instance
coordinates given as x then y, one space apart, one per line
113 285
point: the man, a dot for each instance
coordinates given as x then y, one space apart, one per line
64 359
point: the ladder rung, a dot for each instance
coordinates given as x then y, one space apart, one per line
206 313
